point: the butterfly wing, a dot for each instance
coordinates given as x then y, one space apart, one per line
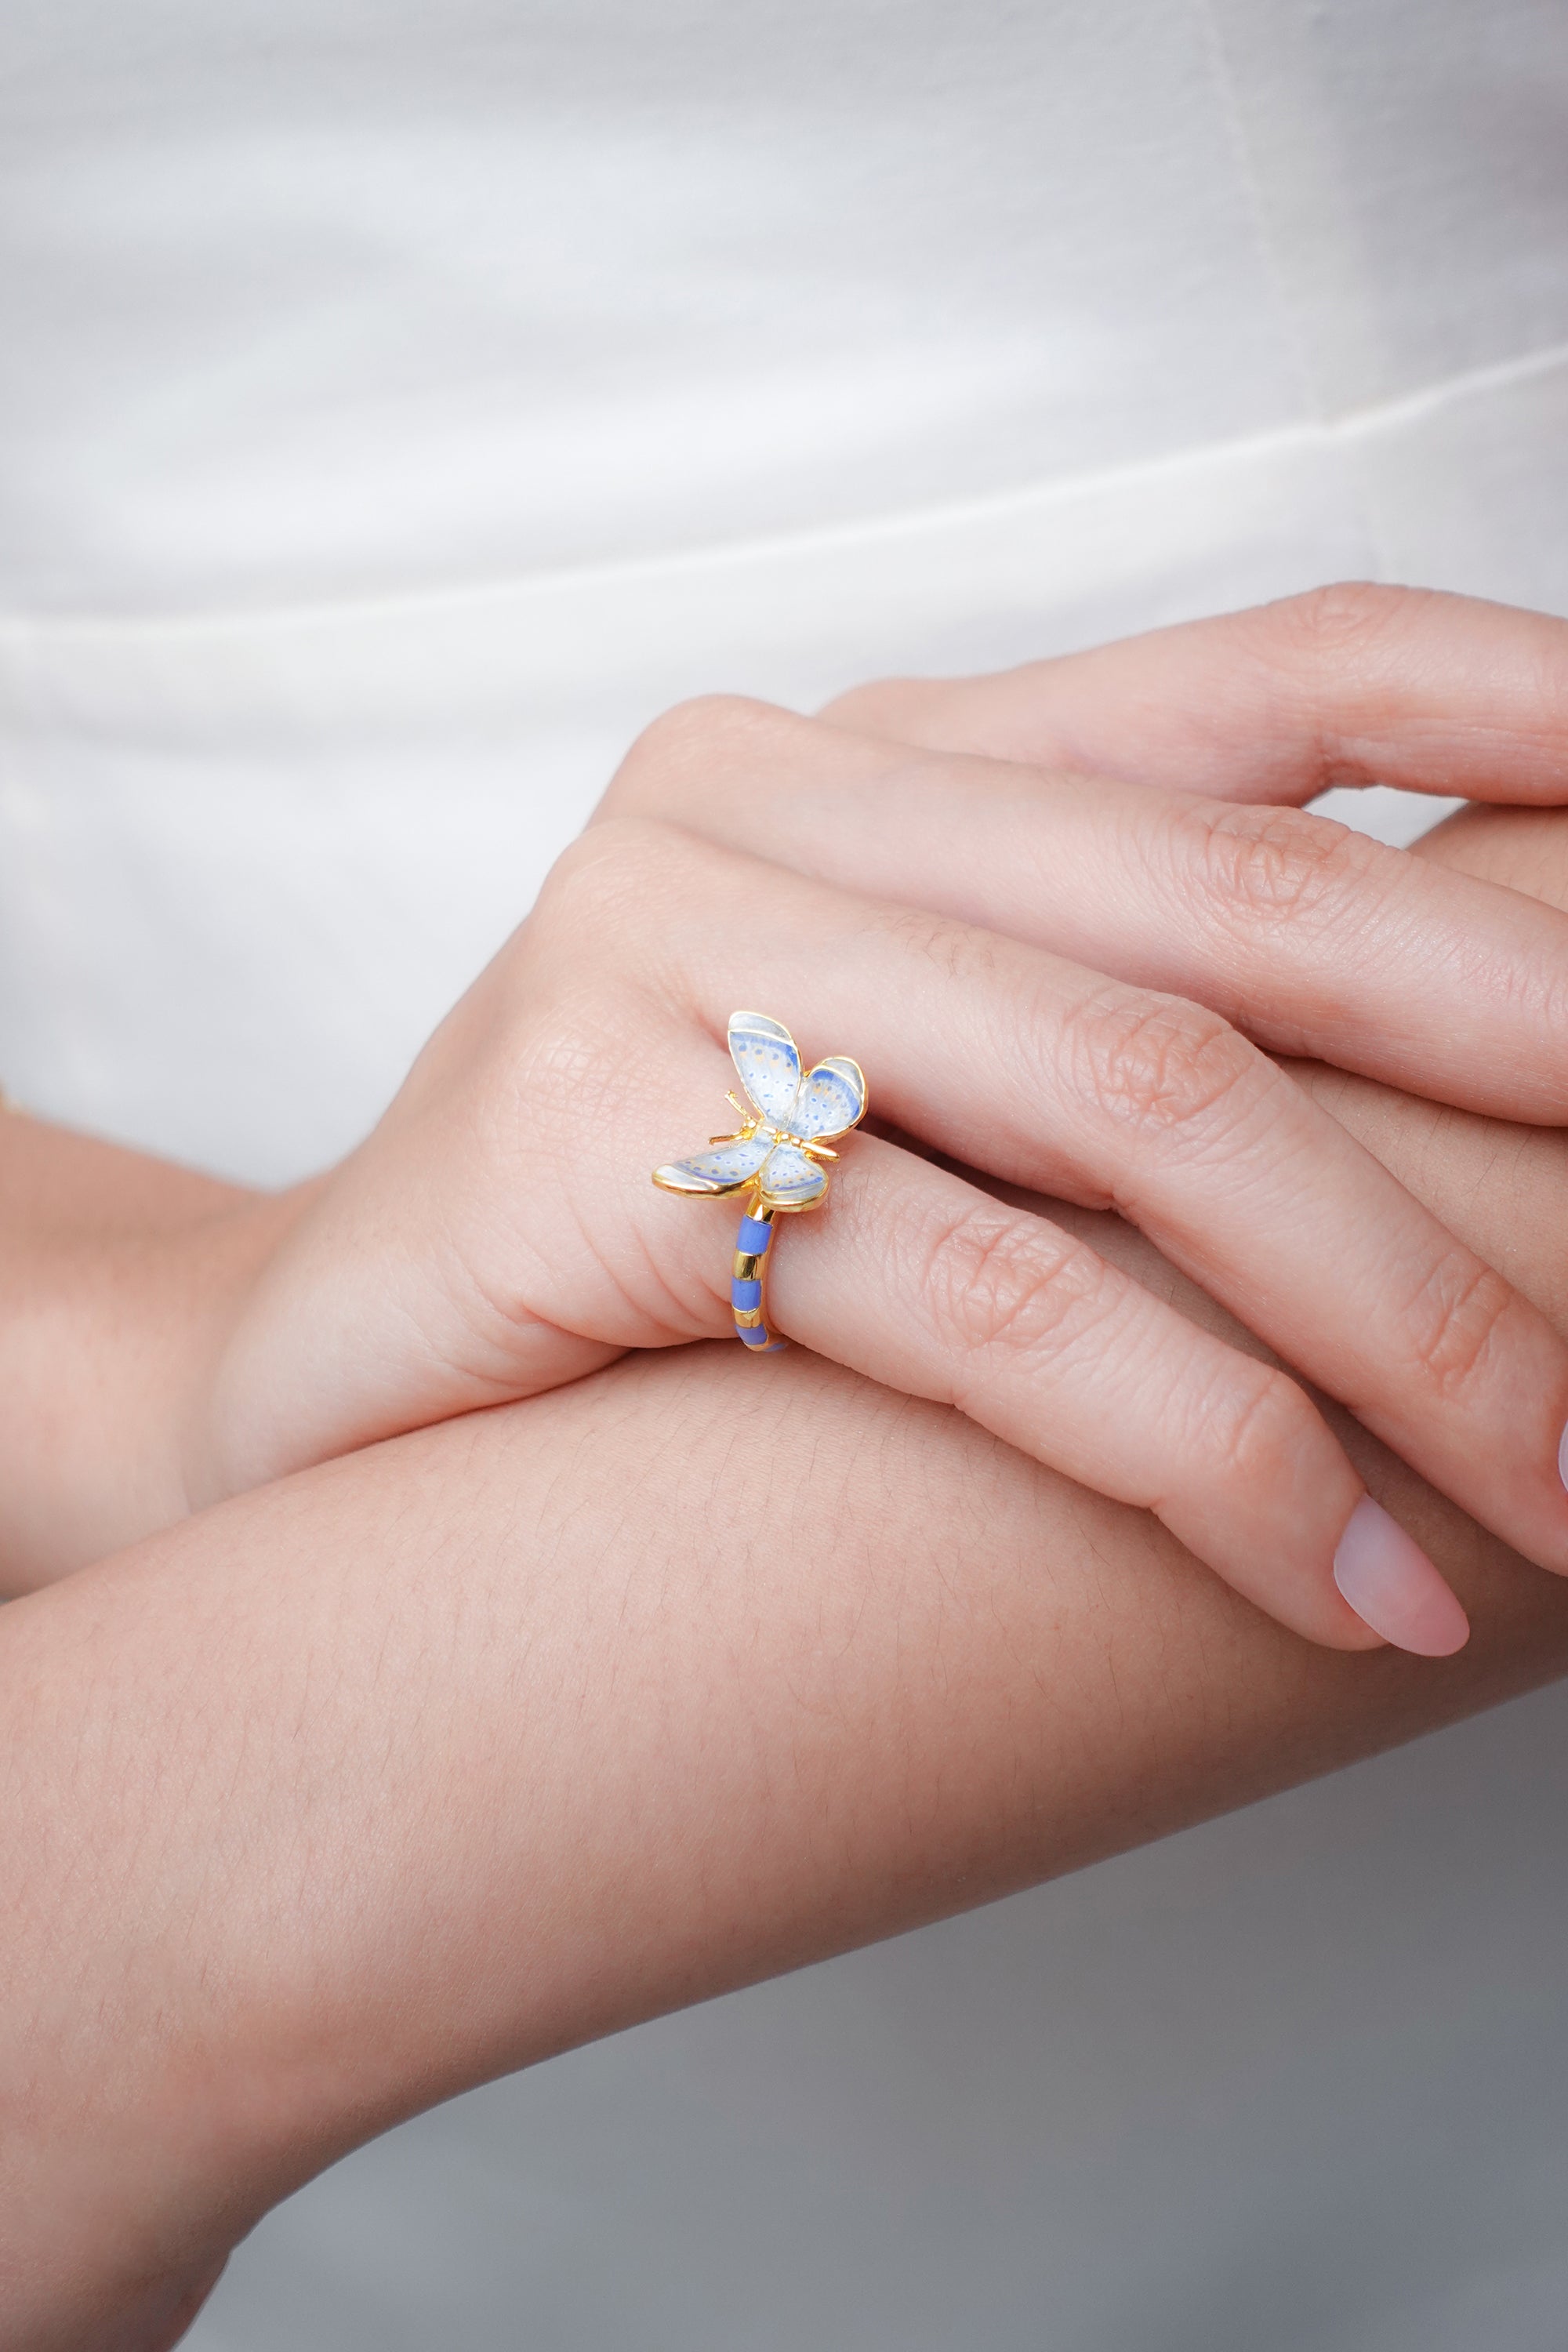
728 1169
832 1099
790 1180
764 1053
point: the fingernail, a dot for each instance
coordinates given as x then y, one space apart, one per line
1394 1588
1562 1457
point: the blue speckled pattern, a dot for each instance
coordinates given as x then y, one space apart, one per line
831 1100
764 1053
790 1180
726 1170
787 1113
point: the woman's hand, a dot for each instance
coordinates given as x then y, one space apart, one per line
1023 803
497 1234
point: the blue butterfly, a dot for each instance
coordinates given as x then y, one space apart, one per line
784 1134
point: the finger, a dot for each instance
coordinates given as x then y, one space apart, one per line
929 1285
1312 938
924 1283
1453 1161
1521 849
1350 684
1052 1077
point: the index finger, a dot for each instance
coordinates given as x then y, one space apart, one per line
1353 684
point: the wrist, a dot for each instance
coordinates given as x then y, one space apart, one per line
118 1277
226 1269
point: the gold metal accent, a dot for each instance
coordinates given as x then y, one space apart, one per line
753 1265
703 1192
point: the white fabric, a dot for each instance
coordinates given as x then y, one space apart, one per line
402 404
399 405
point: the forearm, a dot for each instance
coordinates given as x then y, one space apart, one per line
438 1760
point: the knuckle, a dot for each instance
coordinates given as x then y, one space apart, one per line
694 741
1262 866
1317 655
1258 1428
997 1285
1455 1318
1321 654
1156 1064
961 953
1339 622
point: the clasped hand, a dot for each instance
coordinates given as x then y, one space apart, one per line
1062 919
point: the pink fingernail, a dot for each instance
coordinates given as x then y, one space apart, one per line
1562 1457
1393 1585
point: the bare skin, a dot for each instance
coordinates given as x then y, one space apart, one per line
1066 979
419 1766
425 1763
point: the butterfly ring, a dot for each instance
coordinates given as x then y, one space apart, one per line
774 1155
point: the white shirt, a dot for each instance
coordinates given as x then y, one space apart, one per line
399 405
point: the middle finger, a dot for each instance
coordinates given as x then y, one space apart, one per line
1313 939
